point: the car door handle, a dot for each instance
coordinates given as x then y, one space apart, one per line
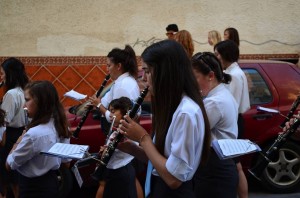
262 116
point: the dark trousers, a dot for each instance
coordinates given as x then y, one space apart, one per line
120 183
12 135
159 189
37 187
240 126
218 178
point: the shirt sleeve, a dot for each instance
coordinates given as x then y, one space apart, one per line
9 106
186 147
213 112
22 153
105 100
236 87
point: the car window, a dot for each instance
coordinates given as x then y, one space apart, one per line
259 92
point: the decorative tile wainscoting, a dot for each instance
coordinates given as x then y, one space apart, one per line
85 74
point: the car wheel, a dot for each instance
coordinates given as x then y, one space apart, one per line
65 181
282 175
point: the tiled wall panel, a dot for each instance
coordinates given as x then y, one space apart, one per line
85 74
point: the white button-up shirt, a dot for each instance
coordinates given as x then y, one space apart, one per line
184 141
222 113
26 158
238 86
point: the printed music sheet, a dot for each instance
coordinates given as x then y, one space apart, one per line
69 151
230 148
75 95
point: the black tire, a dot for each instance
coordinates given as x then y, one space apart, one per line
65 180
282 175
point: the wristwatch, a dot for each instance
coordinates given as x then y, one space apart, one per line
98 105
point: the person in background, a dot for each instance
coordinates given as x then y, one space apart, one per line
184 37
213 37
181 132
2 142
123 70
171 29
218 178
232 34
228 53
48 126
121 176
12 72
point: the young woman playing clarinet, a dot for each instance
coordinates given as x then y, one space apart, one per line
181 135
122 68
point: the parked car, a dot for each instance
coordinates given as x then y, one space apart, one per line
272 84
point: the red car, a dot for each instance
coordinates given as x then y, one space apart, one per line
272 84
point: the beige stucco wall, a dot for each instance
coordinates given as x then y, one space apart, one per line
94 27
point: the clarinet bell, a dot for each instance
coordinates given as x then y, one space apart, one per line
259 167
98 173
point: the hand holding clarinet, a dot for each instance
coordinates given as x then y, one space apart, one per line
291 122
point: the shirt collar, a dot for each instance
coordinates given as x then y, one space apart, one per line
120 78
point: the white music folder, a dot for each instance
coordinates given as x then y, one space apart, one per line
75 95
230 148
67 151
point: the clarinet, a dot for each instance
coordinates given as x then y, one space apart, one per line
259 168
113 144
85 115
291 112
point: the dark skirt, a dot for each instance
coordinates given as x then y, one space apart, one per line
159 189
12 135
120 183
218 178
42 186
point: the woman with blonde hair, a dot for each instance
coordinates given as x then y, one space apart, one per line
214 37
184 37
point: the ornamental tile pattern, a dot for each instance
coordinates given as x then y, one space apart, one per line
85 74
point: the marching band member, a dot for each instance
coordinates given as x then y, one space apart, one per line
122 68
15 79
49 125
218 178
181 130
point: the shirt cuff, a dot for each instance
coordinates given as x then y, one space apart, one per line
10 162
107 113
178 168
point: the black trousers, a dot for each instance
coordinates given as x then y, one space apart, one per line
12 135
218 178
159 189
37 187
120 183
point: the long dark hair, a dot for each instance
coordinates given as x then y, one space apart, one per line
205 62
172 77
14 73
127 58
228 50
48 106
2 117
233 35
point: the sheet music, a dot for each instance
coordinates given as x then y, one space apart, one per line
236 146
259 108
75 95
72 151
